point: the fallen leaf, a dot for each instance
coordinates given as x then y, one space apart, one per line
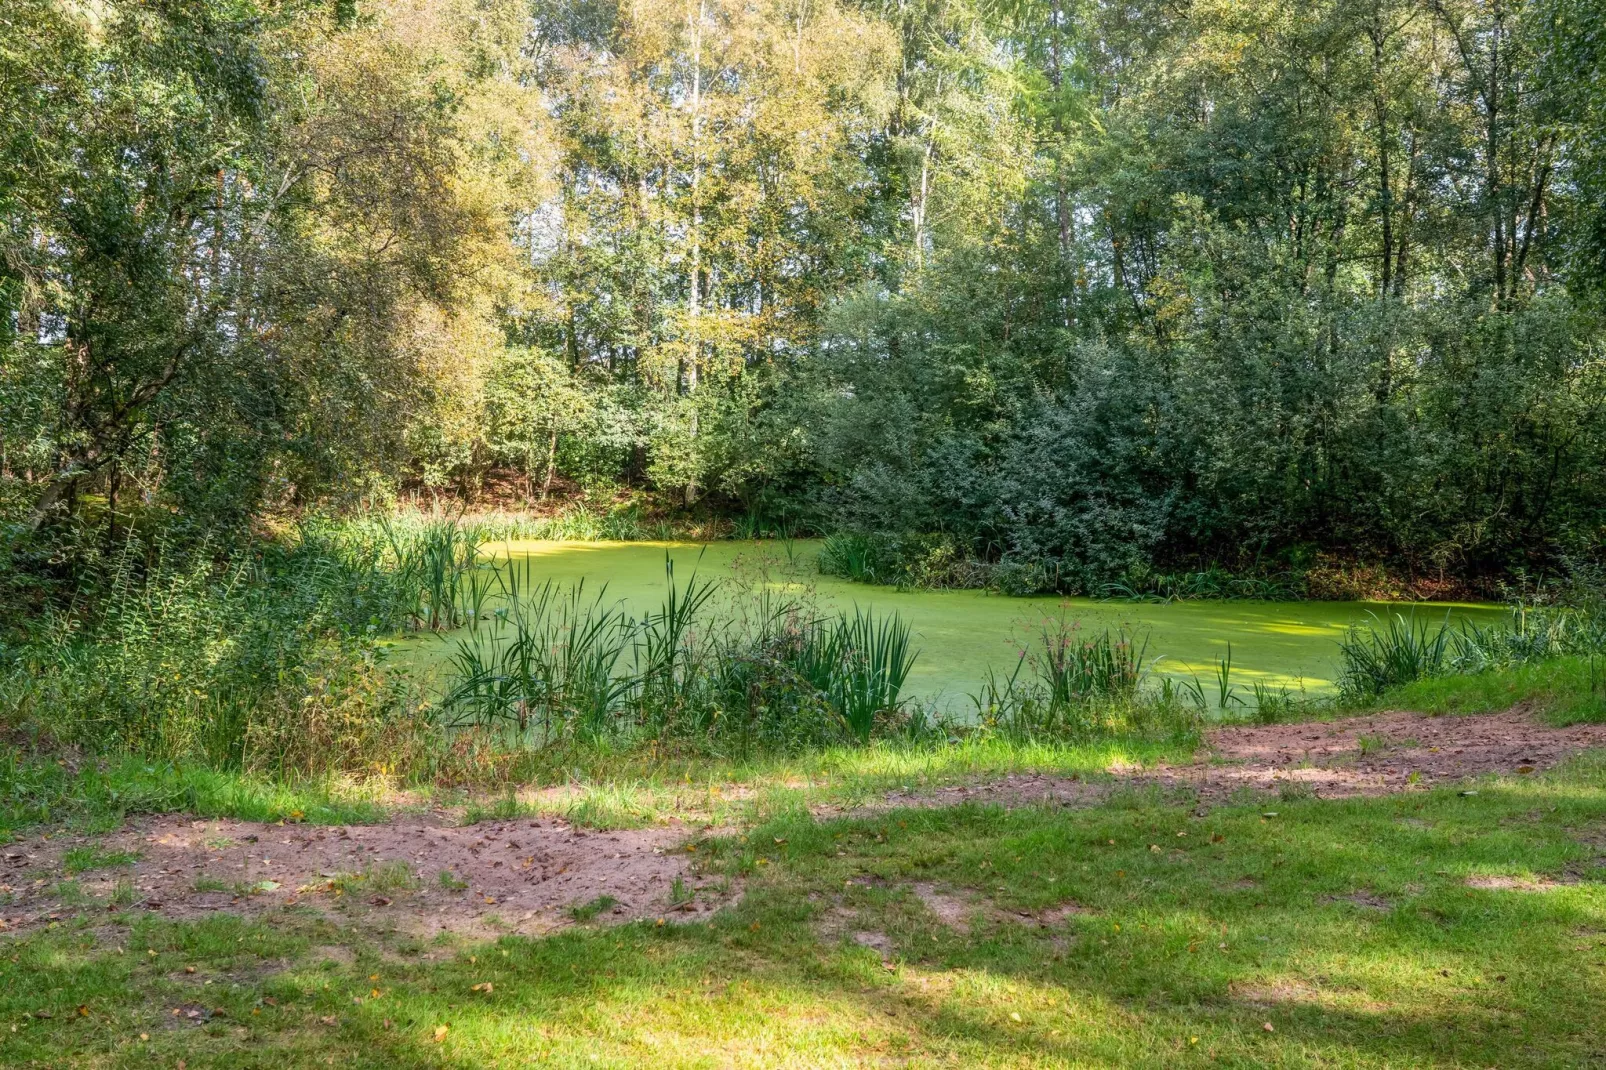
483 986
1014 1016
440 1033
1267 1026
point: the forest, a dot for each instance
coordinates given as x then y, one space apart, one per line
1087 289
1003 533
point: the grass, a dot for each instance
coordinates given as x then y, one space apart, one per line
1568 690
587 912
1349 927
36 790
639 787
377 878
83 859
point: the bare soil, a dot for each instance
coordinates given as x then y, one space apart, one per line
534 876
1375 755
417 874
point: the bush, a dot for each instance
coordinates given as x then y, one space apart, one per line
250 663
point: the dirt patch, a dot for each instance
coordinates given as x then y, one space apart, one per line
878 942
962 913
1064 912
1366 900
1375 755
838 923
417 874
950 909
1291 993
1386 752
1274 994
1512 884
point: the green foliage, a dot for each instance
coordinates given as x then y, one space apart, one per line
550 664
940 277
1085 687
547 663
260 661
1384 657
860 663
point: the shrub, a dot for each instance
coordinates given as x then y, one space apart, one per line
240 664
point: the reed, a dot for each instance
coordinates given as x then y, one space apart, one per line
1384 655
550 663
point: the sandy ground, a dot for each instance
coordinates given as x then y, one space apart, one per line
1376 755
424 874
417 874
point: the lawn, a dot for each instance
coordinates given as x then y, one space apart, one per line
1433 928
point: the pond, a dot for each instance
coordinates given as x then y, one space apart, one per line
961 634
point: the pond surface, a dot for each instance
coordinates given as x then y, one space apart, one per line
961 634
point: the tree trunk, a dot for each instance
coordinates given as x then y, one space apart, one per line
551 464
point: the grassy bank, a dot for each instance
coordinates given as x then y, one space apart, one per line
256 684
1431 929
1434 928
1564 690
